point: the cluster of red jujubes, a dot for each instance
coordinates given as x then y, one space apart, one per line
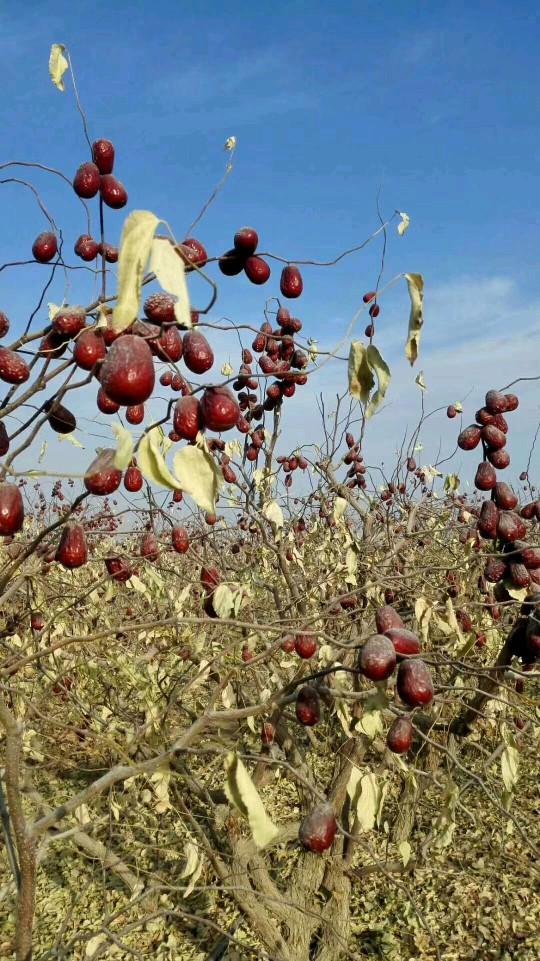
95 177
354 458
242 257
374 311
498 520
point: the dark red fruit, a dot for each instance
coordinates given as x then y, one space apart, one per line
86 181
169 345
103 155
89 349
4 324
523 476
404 641
110 253
119 568
500 422
188 419
494 570
308 706
13 367
246 240
367 298
414 683
194 252
519 575
72 550
504 496
198 355
166 378
150 546
69 321
86 247
469 437
386 617
231 263
487 521
11 509
411 464
291 283
510 527
180 539
113 192
133 479
305 645
159 308
451 411
464 620
37 621
499 458
318 829
493 437
485 477
135 414
45 247
4 439
105 404
512 402
496 402
267 733
288 644
219 409
369 331
400 735
377 658
61 420
210 578
127 374
102 477
484 417
531 558
257 270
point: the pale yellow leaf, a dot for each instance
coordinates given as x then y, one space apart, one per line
124 446
169 270
58 65
152 463
243 794
415 283
405 851
382 373
273 513
198 475
361 380
223 601
340 506
419 381
135 246
403 224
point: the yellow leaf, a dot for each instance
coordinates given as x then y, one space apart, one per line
135 246
419 380
340 506
415 283
58 65
124 447
273 513
403 224
382 373
361 380
72 440
242 792
223 601
169 270
198 475
152 463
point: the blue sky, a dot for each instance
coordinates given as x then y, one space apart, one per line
433 105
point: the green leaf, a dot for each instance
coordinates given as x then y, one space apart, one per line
243 794
124 446
198 475
168 267
152 462
58 65
135 246
415 283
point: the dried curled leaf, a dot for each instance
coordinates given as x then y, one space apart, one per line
152 463
415 283
366 366
58 65
242 792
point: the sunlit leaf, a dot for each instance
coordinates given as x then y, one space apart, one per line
415 283
403 224
419 380
361 379
124 446
169 270
340 506
243 794
135 247
71 439
58 65
223 601
152 463
382 373
273 513
198 475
